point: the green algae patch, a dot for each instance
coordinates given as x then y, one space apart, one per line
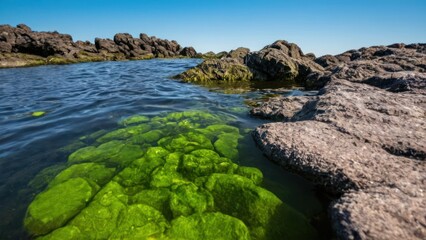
208 226
54 207
170 176
133 120
90 171
38 114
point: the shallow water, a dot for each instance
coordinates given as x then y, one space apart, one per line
84 98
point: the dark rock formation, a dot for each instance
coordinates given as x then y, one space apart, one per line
363 137
226 69
18 44
280 61
239 54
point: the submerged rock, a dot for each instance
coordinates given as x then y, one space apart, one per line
176 181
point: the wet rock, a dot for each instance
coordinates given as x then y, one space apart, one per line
208 226
227 69
54 207
239 54
362 136
188 52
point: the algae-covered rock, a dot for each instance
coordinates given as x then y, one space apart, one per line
186 142
205 162
64 233
264 213
208 226
187 199
168 177
226 145
134 119
227 69
54 207
111 152
139 221
254 174
97 173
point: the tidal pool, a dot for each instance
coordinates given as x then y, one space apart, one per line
124 152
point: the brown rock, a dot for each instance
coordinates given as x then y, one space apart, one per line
188 52
239 54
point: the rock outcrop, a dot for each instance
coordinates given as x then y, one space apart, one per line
363 138
20 46
280 61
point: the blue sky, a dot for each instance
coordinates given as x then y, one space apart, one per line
317 26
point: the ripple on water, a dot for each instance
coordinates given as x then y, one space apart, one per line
82 99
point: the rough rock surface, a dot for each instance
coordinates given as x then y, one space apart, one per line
226 69
280 61
19 46
363 137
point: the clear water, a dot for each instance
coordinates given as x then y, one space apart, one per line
81 99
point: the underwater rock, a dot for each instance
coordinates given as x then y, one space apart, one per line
58 204
94 172
170 177
264 213
208 226
187 199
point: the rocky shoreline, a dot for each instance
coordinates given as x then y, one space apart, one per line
362 138
21 47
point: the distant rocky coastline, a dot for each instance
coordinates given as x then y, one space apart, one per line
20 47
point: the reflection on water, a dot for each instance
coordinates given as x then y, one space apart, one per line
88 100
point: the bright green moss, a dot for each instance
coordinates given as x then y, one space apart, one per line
172 178
90 171
38 114
54 207
187 199
265 214
134 119
208 226
139 221
64 233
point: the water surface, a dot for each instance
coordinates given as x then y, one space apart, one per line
84 98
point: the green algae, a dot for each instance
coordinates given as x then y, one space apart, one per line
170 176
54 207
208 226
38 114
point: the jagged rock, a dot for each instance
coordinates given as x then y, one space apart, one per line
107 45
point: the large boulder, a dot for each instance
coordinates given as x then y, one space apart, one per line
188 52
239 54
281 61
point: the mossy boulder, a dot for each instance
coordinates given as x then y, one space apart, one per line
186 142
187 199
115 152
208 226
54 207
124 133
94 172
264 213
226 69
134 120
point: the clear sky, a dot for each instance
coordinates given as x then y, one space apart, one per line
318 26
